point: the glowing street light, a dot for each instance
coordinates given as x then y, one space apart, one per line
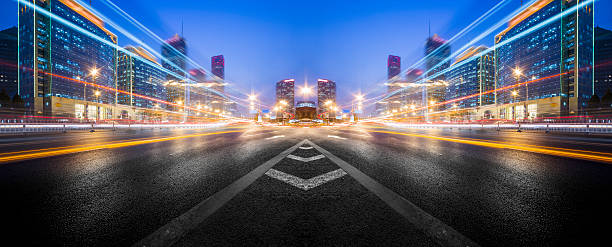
180 102
97 93
328 103
252 97
514 93
517 72
283 102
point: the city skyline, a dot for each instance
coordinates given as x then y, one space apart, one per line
288 63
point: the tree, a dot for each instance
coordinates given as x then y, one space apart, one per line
18 102
5 99
593 103
606 100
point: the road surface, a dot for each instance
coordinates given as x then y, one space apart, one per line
346 185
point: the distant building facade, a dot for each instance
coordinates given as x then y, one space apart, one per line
472 73
437 54
8 61
140 74
394 66
603 61
217 64
285 91
326 91
174 52
54 57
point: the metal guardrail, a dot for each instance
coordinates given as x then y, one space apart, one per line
49 128
543 127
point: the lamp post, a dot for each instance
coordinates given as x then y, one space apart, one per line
97 94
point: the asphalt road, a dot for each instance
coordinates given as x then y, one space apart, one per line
268 186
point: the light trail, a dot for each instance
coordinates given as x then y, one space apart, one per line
128 143
554 151
505 42
461 33
119 48
154 36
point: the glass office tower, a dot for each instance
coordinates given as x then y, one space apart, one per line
59 40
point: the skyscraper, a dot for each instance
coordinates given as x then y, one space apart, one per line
8 61
559 55
174 52
326 92
54 57
285 93
394 66
140 74
217 66
603 61
472 73
437 52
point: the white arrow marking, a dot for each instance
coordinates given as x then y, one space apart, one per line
305 147
313 158
274 137
337 137
305 184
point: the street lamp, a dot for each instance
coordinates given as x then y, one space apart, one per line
97 94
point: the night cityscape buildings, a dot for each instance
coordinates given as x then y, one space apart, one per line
437 54
8 61
217 66
142 76
472 77
52 55
563 47
174 52
285 95
326 95
603 61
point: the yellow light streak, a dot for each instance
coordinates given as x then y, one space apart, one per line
562 152
70 150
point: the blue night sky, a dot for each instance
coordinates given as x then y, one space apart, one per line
266 41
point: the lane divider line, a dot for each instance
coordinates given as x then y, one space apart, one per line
274 137
568 153
337 137
431 226
306 148
313 158
180 226
305 184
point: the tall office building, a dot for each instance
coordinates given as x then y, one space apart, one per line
140 74
54 55
437 53
394 66
285 91
217 64
559 55
199 95
326 92
8 61
174 52
472 73
603 61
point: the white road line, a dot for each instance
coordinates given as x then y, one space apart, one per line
274 137
306 148
431 226
305 184
337 137
313 158
178 227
